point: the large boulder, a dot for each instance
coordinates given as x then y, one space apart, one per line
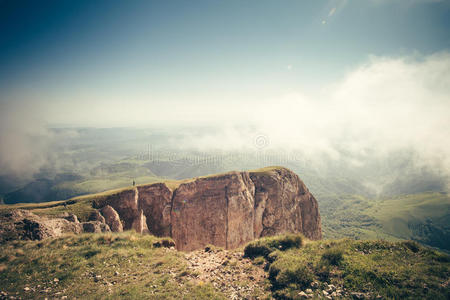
112 218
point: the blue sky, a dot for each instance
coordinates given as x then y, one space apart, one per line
212 50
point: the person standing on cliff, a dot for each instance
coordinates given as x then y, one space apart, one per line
134 182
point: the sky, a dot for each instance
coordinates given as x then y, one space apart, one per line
363 71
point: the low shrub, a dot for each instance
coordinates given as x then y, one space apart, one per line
265 246
285 275
412 245
333 256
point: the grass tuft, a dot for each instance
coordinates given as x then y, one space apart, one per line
333 256
265 246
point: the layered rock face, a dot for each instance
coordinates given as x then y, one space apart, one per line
24 225
111 217
284 204
225 210
215 210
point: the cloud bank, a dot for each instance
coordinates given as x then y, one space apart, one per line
385 105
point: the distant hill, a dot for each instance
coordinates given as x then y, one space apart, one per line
424 217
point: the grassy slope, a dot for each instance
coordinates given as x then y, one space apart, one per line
423 217
390 269
396 213
130 268
97 266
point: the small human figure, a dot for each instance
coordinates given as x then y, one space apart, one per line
134 182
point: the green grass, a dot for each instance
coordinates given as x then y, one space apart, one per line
97 266
423 217
396 213
265 246
266 170
127 266
393 270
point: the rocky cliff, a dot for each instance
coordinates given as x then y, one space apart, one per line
225 210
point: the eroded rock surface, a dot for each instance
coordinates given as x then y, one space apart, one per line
156 201
22 224
226 210
112 218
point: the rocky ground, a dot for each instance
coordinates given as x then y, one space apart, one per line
229 272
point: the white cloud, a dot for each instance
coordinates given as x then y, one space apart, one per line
387 104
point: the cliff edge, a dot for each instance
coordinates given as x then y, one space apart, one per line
225 210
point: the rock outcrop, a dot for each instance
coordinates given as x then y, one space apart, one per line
155 200
213 210
226 210
112 218
22 224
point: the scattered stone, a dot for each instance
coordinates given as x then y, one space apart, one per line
55 280
309 291
26 289
302 294
357 295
